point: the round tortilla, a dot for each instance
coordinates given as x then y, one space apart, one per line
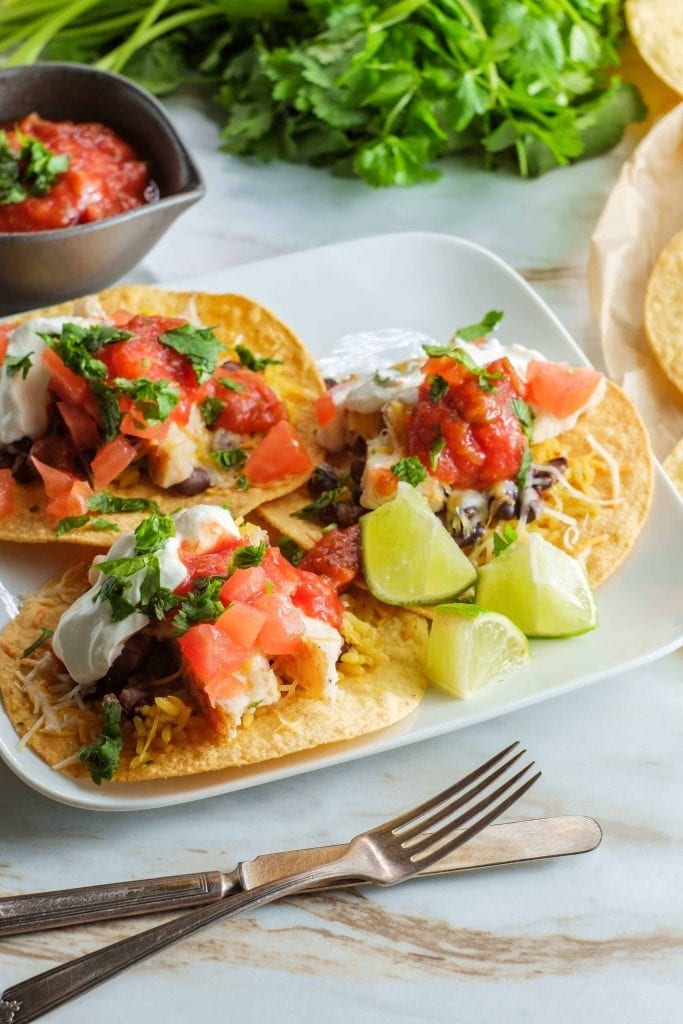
656 27
380 697
664 310
673 464
235 319
616 426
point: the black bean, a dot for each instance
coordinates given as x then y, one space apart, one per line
359 446
357 470
131 697
503 499
348 514
465 540
533 509
23 471
560 463
356 494
230 365
323 478
329 382
196 482
132 657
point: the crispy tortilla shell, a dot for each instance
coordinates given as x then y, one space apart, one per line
664 310
379 697
236 319
673 464
617 427
656 27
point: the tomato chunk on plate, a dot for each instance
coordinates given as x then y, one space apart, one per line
281 453
558 389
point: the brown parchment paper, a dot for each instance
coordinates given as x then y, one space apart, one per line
643 211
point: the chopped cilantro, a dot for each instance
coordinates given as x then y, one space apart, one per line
199 344
523 471
75 346
438 388
230 384
44 635
248 557
101 758
322 501
201 605
435 452
210 408
113 590
292 551
242 483
383 380
453 351
155 600
18 364
526 416
156 399
409 470
75 522
504 539
30 170
252 362
480 330
152 533
230 458
105 502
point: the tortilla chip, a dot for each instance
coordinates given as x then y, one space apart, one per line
606 536
664 310
235 319
656 27
380 695
673 464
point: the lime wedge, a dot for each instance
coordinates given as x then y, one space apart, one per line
541 588
469 646
409 557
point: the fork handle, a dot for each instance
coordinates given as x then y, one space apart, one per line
37 911
32 998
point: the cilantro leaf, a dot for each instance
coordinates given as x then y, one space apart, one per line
453 351
105 502
252 362
435 452
311 510
230 458
248 557
481 329
438 389
18 364
76 344
44 635
152 533
210 408
524 467
75 522
292 551
156 399
114 591
503 540
230 384
199 344
30 170
101 758
201 605
242 483
526 416
410 470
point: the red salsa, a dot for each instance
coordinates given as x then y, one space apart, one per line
470 437
102 175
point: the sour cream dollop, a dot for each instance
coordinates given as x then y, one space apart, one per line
24 401
87 640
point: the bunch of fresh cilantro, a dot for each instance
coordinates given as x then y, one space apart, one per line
380 90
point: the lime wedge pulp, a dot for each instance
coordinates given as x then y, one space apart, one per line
470 646
409 557
541 588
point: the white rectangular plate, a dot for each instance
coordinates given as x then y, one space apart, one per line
432 284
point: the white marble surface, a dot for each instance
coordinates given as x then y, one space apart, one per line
593 938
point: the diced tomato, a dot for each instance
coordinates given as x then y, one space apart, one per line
251 409
81 426
383 480
7 485
73 502
558 389
56 450
325 409
134 424
281 453
241 623
244 585
55 481
65 383
213 658
111 460
281 572
145 356
215 563
316 597
281 632
336 556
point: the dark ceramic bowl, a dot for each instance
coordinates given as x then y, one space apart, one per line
41 267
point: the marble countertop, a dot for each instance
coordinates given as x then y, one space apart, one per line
590 938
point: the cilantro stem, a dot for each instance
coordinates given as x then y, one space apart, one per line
39 39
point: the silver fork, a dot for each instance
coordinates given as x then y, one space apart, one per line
387 854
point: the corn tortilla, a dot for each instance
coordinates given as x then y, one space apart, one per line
382 695
656 27
664 310
609 533
236 319
673 464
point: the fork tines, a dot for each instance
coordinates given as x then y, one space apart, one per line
410 828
